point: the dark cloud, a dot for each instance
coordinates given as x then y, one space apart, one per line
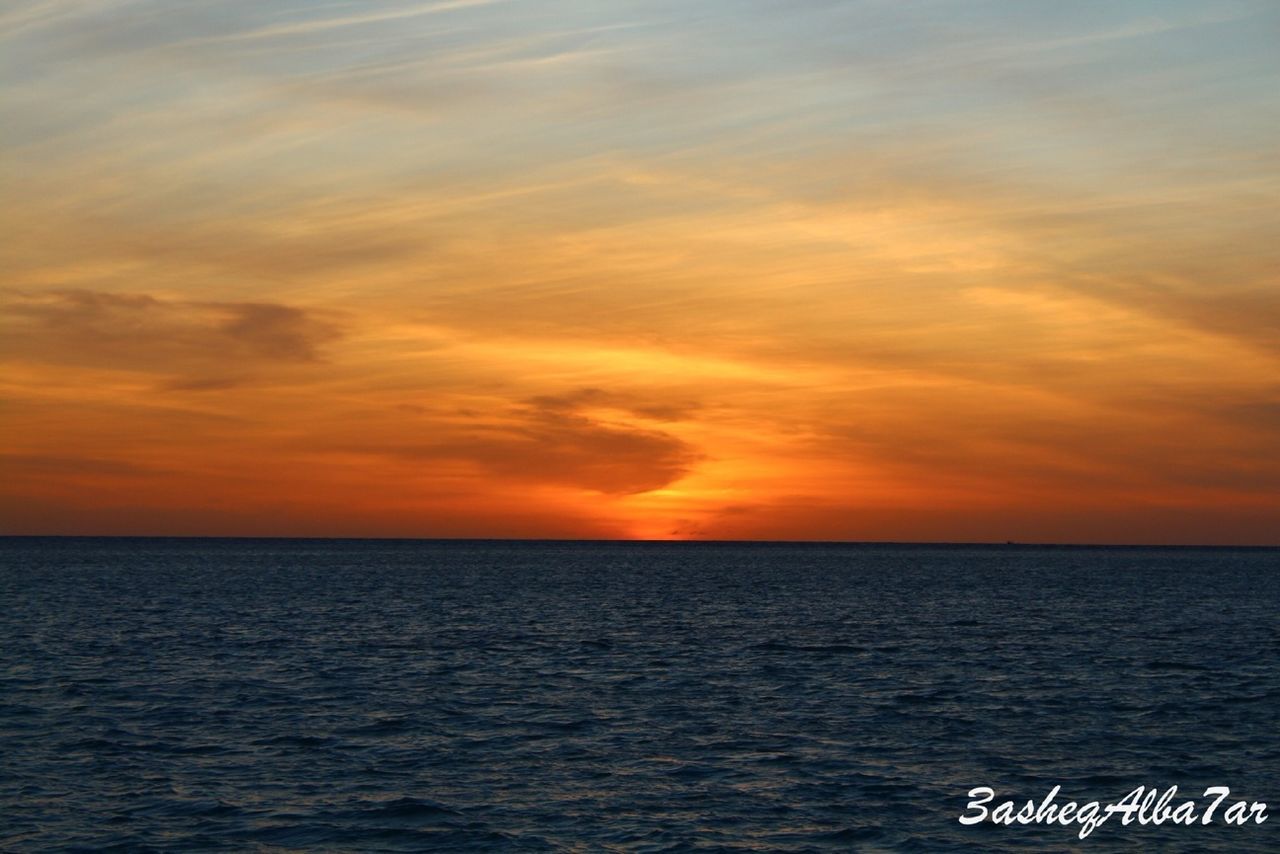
626 402
1262 413
203 383
40 465
702 528
293 513
272 330
1085 521
550 442
1251 315
1139 444
201 345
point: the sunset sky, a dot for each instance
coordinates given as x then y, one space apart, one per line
692 269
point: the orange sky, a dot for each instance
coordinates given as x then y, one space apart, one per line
748 270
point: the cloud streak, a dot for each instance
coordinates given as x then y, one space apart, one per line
203 344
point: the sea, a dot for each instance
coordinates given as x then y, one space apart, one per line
401 695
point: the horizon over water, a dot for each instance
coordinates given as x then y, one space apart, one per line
307 694
1046 544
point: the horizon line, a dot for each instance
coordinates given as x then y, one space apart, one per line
639 541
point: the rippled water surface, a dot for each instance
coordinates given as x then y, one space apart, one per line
395 696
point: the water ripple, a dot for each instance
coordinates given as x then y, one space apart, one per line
232 695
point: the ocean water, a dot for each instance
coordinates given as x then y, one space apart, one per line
277 695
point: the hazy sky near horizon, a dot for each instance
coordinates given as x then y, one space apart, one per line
642 268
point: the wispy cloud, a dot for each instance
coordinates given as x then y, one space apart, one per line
318 25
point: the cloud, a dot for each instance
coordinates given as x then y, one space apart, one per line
551 442
59 466
315 25
199 344
274 331
601 398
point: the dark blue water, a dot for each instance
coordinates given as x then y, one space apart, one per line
396 696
